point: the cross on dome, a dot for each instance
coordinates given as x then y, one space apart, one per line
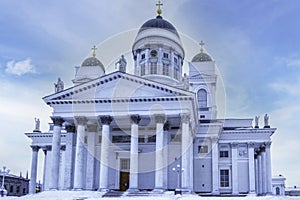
94 50
159 4
201 44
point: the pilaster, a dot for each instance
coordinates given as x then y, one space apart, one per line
234 153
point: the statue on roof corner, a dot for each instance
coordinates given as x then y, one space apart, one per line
121 64
37 125
256 121
59 86
266 120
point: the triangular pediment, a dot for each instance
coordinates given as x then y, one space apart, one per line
118 85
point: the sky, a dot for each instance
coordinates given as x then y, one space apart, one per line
255 45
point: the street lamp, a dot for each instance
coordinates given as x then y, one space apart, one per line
3 172
179 170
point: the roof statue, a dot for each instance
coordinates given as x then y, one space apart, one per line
266 120
121 64
186 83
37 125
256 121
59 86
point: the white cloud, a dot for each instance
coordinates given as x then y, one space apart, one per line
288 88
20 68
293 63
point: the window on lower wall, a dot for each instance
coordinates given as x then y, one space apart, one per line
224 154
224 178
202 149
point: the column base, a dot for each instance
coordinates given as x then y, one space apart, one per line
103 190
186 190
77 189
132 190
251 193
158 190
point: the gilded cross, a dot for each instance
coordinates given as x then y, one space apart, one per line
158 5
94 50
201 44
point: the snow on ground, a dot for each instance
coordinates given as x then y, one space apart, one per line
84 195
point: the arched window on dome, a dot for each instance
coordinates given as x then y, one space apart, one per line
202 98
165 69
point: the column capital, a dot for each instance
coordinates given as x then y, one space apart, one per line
35 148
234 145
268 144
80 120
185 117
106 119
160 118
135 119
251 144
70 128
57 121
167 126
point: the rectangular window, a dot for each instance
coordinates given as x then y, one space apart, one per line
224 178
224 154
166 55
202 149
125 164
143 56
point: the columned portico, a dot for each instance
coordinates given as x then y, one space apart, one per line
134 156
55 154
79 157
105 121
234 153
35 150
185 145
159 157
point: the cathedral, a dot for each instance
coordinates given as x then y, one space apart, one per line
155 129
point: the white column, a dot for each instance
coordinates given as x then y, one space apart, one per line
90 161
55 154
44 167
79 156
215 166
68 178
251 168
165 155
185 144
260 185
256 173
234 153
264 171
103 183
33 173
159 159
134 154
268 168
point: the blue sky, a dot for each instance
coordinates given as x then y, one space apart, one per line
255 44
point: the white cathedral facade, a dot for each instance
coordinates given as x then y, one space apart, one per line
156 129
